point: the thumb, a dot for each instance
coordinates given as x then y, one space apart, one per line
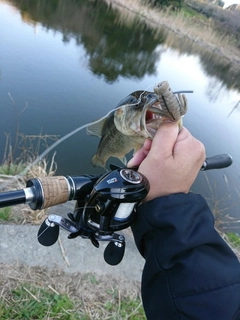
140 155
164 140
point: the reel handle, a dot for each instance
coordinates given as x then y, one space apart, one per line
217 162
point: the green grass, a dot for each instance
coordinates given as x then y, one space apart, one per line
234 239
189 12
11 169
5 214
36 303
129 309
32 302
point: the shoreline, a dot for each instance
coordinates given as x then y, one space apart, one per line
157 20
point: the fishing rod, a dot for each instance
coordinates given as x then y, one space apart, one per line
104 204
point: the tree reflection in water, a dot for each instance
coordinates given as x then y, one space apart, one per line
119 46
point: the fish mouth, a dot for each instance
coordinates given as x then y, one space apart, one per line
151 115
152 119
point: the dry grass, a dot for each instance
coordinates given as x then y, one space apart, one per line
18 166
220 210
221 206
22 214
94 297
199 31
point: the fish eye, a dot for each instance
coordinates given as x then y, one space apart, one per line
137 105
150 95
147 97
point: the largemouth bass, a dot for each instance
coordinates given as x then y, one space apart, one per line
136 118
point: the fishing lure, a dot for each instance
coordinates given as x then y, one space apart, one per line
172 103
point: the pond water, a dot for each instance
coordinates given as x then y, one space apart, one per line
66 63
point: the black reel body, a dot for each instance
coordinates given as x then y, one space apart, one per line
111 204
109 207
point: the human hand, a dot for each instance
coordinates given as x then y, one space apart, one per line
170 162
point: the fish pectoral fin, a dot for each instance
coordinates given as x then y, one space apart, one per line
124 160
97 162
95 129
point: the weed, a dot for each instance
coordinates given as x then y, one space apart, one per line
38 293
23 149
17 167
11 168
126 309
5 214
29 302
93 279
234 239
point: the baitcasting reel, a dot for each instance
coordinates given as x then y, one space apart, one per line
109 207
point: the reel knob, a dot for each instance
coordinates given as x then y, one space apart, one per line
131 176
48 233
114 252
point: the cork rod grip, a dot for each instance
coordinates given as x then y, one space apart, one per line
55 190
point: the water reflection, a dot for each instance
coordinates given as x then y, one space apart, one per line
119 46
113 49
213 64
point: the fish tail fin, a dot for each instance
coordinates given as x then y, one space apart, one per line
97 162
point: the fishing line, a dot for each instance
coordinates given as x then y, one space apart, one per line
87 207
44 231
139 101
55 144
183 91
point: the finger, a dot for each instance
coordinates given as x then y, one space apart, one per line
165 139
140 155
183 134
186 143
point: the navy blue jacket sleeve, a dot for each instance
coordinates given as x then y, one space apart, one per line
190 272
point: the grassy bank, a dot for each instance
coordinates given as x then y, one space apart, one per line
38 293
186 23
18 165
14 177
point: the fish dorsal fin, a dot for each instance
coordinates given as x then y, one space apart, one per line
95 129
